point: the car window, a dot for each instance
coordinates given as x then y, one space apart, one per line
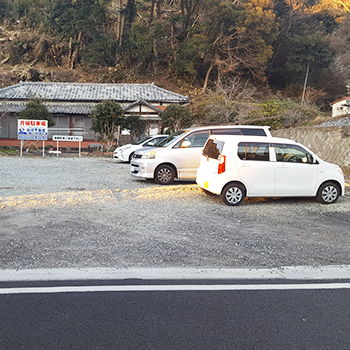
213 149
197 139
153 141
292 153
171 138
239 131
253 151
141 141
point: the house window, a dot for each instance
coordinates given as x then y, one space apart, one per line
4 130
78 124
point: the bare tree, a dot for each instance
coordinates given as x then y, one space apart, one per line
226 101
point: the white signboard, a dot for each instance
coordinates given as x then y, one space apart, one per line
32 129
67 138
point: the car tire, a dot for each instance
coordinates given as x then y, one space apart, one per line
328 193
131 157
233 194
164 175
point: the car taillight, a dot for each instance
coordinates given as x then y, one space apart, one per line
222 164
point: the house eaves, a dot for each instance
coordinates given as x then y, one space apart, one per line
54 108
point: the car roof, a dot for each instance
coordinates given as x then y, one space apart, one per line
243 138
208 127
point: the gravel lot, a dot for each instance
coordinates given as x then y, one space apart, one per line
89 212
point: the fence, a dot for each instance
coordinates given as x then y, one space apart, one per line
332 144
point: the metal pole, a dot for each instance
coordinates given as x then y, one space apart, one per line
307 74
79 147
57 149
21 147
43 148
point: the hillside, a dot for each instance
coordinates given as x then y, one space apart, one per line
240 60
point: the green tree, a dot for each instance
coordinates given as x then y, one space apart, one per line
135 125
106 117
231 38
303 40
70 18
36 110
176 117
148 45
3 8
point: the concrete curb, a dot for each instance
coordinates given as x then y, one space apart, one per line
174 273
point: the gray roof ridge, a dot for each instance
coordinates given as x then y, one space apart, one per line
80 83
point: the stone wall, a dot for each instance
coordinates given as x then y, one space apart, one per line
331 144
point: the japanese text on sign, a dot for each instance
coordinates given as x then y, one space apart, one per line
67 138
32 129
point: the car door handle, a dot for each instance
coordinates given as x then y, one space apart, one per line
282 166
244 165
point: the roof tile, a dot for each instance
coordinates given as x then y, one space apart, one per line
90 92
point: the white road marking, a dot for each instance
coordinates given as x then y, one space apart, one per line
167 288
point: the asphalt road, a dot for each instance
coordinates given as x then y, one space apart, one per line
190 314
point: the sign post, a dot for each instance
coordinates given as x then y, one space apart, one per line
35 130
68 138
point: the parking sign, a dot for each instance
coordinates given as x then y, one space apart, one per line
32 129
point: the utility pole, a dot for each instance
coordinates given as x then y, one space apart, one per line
307 74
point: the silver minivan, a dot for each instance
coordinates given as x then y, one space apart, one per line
178 155
238 167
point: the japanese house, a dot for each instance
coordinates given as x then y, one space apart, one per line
71 103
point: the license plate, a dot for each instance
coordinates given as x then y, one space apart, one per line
132 169
206 184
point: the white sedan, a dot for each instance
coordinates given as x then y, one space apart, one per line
124 153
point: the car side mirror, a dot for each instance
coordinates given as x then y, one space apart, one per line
185 144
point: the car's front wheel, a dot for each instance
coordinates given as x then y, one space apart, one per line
233 194
130 157
164 175
328 193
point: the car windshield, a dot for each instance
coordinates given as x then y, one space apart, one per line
171 138
141 141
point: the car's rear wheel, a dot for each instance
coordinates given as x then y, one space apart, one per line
233 194
328 193
164 175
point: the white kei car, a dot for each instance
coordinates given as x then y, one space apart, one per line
124 153
236 167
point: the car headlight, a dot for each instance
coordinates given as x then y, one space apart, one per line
149 155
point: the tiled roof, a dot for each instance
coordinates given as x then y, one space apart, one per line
90 92
337 122
67 108
340 99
